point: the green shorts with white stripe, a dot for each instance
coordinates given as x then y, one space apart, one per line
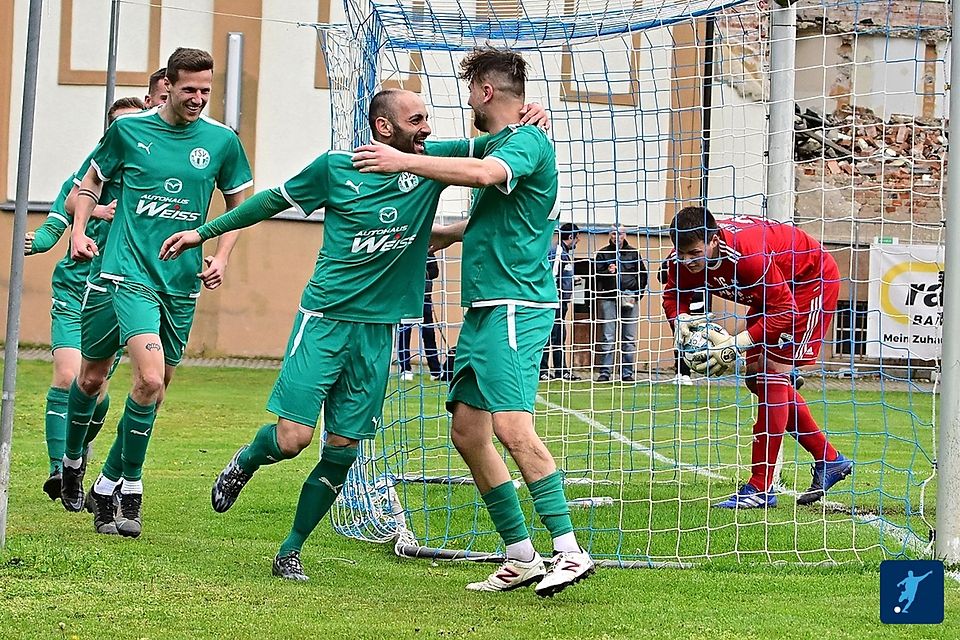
338 365
497 367
65 320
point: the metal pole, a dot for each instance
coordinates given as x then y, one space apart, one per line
11 348
780 168
233 87
948 442
781 177
112 59
706 102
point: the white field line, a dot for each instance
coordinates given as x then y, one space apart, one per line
636 446
885 528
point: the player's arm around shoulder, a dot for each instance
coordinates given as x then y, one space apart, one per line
465 172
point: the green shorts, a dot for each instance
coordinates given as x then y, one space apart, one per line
341 366
141 310
497 367
99 330
65 320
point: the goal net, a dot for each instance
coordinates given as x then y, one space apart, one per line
654 107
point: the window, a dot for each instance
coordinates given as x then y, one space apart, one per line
850 328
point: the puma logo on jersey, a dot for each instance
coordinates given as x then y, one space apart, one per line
54 413
334 489
144 433
354 186
145 147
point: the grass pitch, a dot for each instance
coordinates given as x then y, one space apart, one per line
197 574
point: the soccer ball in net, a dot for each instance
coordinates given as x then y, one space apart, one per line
696 348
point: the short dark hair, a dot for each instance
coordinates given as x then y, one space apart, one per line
189 60
155 79
124 103
382 106
505 69
692 225
568 230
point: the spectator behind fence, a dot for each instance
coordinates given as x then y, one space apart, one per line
561 257
621 279
428 335
699 303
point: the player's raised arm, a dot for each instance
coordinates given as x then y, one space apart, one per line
535 114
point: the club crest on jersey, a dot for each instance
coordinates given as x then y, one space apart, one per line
388 215
200 158
407 181
172 185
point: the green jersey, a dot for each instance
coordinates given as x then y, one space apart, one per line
167 175
375 236
98 230
508 236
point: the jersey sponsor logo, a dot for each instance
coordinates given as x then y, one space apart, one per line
164 207
145 147
353 185
200 158
388 215
173 185
381 240
407 182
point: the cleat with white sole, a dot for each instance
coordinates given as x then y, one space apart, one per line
566 569
512 574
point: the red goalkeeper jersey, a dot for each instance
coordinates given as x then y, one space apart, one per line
764 265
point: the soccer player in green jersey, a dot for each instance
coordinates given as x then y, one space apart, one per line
67 285
168 161
157 91
510 295
369 276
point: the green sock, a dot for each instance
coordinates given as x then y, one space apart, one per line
138 422
262 450
318 494
504 507
551 504
80 409
113 465
55 425
96 421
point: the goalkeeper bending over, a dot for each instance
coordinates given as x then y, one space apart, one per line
790 285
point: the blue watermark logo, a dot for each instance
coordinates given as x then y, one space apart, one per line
911 592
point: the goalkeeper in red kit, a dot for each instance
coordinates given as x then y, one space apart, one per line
790 285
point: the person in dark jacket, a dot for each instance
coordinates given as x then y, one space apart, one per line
428 335
561 257
621 279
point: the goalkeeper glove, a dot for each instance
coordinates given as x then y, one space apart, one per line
684 326
723 351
